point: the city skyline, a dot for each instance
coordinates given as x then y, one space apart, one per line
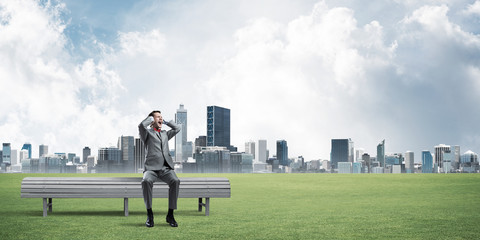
81 74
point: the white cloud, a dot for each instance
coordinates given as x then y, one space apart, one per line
48 97
149 43
294 80
331 72
473 8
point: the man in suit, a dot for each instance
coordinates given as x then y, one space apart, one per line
158 163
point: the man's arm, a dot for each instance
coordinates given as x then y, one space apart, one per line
142 128
175 129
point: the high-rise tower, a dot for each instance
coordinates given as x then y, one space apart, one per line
181 137
42 150
381 153
85 153
218 126
261 151
282 152
28 147
342 151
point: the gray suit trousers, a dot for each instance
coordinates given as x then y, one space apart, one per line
166 175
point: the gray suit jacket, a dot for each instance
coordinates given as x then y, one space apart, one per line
157 151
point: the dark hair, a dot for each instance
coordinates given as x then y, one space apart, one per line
154 111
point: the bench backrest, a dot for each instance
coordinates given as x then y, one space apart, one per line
119 187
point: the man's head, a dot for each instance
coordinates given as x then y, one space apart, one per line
157 119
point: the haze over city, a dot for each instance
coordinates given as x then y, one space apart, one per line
77 74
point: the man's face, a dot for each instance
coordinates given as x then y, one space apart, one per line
157 120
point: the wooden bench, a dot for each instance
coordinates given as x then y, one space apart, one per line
120 187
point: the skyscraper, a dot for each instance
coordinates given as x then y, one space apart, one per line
367 161
42 150
282 152
439 150
139 154
181 138
261 151
358 154
71 157
28 147
13 157
458 155
342 151
409 162
126 145
381 153
6 153
201 141
109 160
23 155
85 153
427 162
250 148
218 126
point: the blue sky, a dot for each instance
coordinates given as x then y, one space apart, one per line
82 73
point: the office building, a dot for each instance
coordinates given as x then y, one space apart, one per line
6 153
201 141
427 162
344 167
213 160
127 147
397 169
109 160
377 170
469 157
250 148
218 127
439 150
409 162
23 155
42 150
326 165
259 167
282 153
181 154
241 162
358 154
85 153
13 157
393 159
71 157
342 151
367 161
448 160
469 162
90 163
139 155
261 151
381 153
357 167
28 147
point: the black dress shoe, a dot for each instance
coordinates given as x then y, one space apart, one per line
149 222
171 221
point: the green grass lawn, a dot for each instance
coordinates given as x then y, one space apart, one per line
265 206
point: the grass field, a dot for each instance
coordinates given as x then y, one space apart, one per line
266 206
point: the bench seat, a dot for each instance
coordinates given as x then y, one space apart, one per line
120 187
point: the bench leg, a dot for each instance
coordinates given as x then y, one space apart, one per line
207 206
50 204
45 205
200 204
125 206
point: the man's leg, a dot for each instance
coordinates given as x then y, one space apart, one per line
168 176
149 177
